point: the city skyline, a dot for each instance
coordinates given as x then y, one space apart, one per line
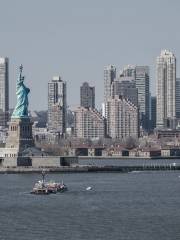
68 39
89 119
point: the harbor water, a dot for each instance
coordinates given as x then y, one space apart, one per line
101 161
127 206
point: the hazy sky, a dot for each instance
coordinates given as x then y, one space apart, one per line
76 39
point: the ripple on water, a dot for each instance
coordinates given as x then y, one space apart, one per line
120 206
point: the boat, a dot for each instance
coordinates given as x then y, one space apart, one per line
60 187
43 187
40 189
89 188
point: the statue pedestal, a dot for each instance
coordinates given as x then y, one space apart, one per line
20 134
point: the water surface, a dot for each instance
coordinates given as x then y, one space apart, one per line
129 206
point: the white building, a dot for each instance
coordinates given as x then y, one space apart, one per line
166 89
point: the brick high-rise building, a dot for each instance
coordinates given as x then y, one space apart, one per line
88 123
122 118
57 106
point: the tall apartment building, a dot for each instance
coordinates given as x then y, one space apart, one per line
109 77
88 123
87 95
140 74
57 105
122 118
142 84
178 97
166 89
153 113
126 87
4 91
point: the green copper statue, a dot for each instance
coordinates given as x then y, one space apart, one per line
21 109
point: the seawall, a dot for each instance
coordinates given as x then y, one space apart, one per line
86 169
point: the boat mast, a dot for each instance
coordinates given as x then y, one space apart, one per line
43 176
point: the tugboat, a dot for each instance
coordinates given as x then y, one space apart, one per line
55 187
62 187
40 187
43 187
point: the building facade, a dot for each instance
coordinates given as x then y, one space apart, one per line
88 123
166 89
122 118
126 87
109 77
142 84
153 113
87 96
178 97
4 91
128 71
57 105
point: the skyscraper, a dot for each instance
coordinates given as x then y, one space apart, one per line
178 97
4 91
87 95
126 87
166 89
153 112
142 84
128 71
122 118
109 77
57 105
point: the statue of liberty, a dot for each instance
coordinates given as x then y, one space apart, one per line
21 109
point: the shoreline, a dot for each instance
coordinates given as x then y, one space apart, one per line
129 157
89 169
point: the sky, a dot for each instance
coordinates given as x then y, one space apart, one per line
77 38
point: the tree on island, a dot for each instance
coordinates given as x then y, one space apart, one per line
131 143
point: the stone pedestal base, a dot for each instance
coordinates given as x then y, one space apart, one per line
20 134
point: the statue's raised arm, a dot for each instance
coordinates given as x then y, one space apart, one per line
21 109
20 77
